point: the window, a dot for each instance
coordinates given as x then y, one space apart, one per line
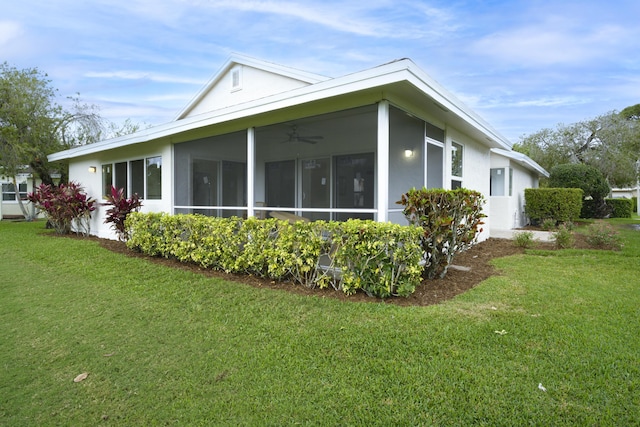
136 171
456 165
143 176
435 163
9 191
499 186
510 182
121 177
497 182
236 79
434 132
154 178
107 180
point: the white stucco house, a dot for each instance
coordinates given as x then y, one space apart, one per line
511 172
262 138
9 206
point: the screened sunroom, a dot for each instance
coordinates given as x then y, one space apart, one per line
325 167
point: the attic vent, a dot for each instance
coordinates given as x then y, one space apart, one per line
236 79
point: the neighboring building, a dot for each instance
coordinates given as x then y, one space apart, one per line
9 206
624 193
261 138
628 193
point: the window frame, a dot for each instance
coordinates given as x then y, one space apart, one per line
236 78
457 180
10 196
110 177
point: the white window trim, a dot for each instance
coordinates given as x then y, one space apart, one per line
456 177
236 85
13 200
128 162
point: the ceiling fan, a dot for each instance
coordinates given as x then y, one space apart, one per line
295 137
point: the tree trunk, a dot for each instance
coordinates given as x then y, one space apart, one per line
38 167
25 213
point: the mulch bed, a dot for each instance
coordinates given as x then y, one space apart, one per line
476 262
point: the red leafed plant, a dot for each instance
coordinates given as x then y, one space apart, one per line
120 208
65 206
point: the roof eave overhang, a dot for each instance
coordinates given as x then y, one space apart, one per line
524 160
383 78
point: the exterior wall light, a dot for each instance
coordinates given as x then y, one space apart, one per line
408 153
93 169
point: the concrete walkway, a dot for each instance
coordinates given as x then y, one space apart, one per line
544 236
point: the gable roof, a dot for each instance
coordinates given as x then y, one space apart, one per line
400 79
237 59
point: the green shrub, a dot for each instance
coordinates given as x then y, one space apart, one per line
379 259
563 237
382 259
66 206
603 236
450 220
548 224
620 208
524 239
592 182
558 204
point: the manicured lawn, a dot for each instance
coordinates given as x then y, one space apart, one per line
169 347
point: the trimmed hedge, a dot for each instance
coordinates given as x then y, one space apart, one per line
620 208
559 204
381 259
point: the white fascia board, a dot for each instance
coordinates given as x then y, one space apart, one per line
394 72
238 59
283 70
450 102
523 159
327 89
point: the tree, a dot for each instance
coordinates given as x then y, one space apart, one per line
631 113
33 125
27 120
588 178
610 143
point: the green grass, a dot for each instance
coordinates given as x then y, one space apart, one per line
169 347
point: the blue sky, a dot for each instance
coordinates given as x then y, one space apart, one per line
522 65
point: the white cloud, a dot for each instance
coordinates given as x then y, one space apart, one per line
379 19
555 41
142 75
9 31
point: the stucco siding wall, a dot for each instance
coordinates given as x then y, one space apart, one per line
522 178
92 182
476 161
507 211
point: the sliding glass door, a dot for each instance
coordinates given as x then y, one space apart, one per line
280 184
316 187
354 184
